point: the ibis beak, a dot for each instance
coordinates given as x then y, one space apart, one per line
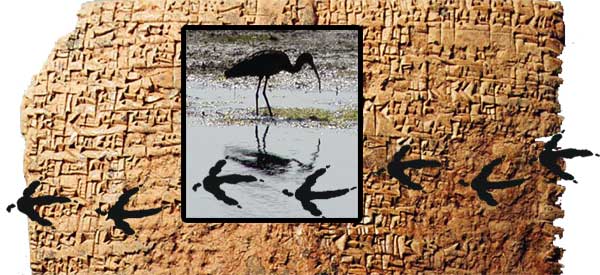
312 64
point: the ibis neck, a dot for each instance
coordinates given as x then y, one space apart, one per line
296 67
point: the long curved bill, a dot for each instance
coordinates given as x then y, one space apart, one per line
312 64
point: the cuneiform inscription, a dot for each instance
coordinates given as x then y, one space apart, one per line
466 81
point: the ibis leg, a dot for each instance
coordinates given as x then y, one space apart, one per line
264 137
258 89
265 95
256 136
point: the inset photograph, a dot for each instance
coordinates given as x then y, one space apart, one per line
271 123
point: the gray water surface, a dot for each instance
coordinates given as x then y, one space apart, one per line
313 148
227 98
226 106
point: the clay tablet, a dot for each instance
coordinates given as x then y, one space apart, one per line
461 82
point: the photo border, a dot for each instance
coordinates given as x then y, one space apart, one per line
183 54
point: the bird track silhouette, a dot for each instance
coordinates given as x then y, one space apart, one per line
550 155
305 194
481 184
26 203
212 183
396 167
117 212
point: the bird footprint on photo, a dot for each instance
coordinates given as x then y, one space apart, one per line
305 194
213 182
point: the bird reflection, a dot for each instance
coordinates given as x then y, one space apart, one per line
267 163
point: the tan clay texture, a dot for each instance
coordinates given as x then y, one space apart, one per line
461 81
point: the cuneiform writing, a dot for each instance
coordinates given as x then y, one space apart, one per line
462 81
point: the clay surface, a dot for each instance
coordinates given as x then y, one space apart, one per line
462 82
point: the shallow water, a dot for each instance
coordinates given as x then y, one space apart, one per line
313 148
220 99
225 106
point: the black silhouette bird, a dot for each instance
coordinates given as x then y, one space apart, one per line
25 204
266 63
267 163
481 184
305 195
117 212
396 167
212 183
549 157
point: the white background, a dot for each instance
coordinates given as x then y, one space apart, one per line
30 29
